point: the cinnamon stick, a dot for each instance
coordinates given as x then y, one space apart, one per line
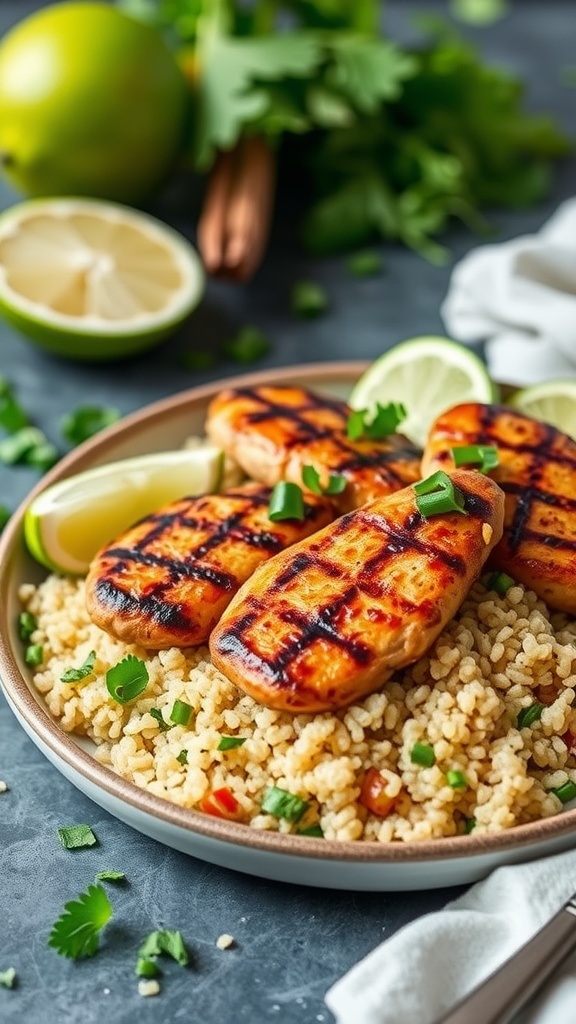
236 215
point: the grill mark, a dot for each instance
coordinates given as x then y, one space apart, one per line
488 417
275 410
560 501
176 570
153 607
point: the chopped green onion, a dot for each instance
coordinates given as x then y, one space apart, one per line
485 456
8 977
438 494
308 299
286 502
5 514
181 713
500 582
182 757
566 792
229 742
168 942
26 625
469 825
34 654
456 779
248 346
146 968
76 837
384 422
423 754
73 675
527 716
311 479
127 680
283 804
85 421
365 262
312 830
110 876
198 360
159 717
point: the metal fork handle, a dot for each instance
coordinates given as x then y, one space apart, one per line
508 989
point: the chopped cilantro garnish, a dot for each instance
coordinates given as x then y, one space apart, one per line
308 299
157 714
229 742
312 830
365 263
110 876
8 977
181 713
248 346
283 804
34 654
146 968
127 680
75 837
438 494
527 716
74 675
42 456
19 445
26 625
182 757
469 825
197 360
87 420
169 942
384 421
311 479
75 933
12 415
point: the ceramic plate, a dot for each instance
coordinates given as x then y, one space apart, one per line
354 866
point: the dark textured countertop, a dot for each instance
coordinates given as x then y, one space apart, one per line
292 942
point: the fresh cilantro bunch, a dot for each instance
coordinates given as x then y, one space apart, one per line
396 141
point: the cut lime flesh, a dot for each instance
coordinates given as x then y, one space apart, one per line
553 402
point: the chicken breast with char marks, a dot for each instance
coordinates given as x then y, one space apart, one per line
167 580
537 472
327 622
273 432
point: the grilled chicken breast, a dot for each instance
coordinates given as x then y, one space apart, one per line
167 580
537 472
273 432
327 622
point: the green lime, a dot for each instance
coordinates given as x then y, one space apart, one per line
93 280
93 103
553 401
70 521
427 375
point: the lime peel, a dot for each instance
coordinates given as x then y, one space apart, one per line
552 401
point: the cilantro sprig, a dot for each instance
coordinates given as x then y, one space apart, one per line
76 932
127 680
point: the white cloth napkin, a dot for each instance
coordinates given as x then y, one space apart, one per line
520 297
425 968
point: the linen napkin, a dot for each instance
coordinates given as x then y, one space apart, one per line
520 298
429 965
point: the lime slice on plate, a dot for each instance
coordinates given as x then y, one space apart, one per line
69 522
553 401
428 375
93 280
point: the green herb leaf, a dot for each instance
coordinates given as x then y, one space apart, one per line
565 792
283 804
312 830
18 447
26 625
110 876
311 479
229 742
368 71
146 968
169 942
42 456
34 654
159 717
182 757
384 422
85 421
127 680
75 933
365 263
469 825
485 456
309 299
197 360
479 12
74 675
438 494
181 713
8 977
500 582
76 837
423 754
527 716
248 346
286 502
12 415
456 779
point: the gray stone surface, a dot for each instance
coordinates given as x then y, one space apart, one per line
292 942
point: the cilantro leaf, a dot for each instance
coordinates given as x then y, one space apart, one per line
110 876
85 421
159 717
75 837
169 942
365 263
247 346
308 299
127 680
74 675
75 933
368 71
8 977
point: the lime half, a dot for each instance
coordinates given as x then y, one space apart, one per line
69 522
428 375
553 401
93 280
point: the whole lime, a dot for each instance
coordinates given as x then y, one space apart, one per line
92 102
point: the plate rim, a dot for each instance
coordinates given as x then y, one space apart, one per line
63 747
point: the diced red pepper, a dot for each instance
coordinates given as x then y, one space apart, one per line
374 794
222 804
570 741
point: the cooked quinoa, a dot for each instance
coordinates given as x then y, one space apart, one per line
499 655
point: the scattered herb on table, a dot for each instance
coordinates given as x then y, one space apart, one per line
365 263
76 932
247 346
309 299
85 421
76 837
230 742
282 804
382 423
110 876
170 943
28 446
12 415
311 479
438 494
127 680
286 502
8 977
198 360
74 675
146 968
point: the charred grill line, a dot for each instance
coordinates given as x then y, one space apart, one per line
176 570
272 410
163 612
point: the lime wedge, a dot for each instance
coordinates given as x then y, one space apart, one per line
69 522
428 375
553 401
